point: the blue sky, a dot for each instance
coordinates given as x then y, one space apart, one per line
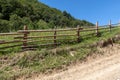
90 10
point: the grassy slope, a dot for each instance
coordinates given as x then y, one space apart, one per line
47 59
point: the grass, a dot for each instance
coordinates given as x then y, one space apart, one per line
47 59
65 39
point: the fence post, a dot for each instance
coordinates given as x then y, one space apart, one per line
78 33
55 34
97 33
110 25
25 37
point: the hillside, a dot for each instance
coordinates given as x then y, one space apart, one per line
15 64
16 13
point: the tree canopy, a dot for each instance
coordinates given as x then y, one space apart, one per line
16 13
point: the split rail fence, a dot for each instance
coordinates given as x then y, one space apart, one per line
24 39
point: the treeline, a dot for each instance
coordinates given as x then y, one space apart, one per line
16 13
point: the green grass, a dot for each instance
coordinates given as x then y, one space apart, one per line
65 39
47 59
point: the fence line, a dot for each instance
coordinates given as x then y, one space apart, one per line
25 39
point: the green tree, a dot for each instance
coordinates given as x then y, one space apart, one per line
1 15
42 24
4 26
16 22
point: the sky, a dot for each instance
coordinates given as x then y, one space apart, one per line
90 10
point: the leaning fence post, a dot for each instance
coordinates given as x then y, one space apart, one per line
55 34
110 26
25 37
78 33
97 33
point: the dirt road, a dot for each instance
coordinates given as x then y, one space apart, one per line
102 67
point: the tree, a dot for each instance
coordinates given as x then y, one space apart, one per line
67 15
1 15
4 26
42 24
16 22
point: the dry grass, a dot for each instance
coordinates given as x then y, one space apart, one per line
46 59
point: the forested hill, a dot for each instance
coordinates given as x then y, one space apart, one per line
36 15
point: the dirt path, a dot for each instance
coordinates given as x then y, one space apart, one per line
105 67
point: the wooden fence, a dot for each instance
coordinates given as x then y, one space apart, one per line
24 39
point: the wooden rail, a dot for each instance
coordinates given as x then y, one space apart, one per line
52 30
22 36
6 34
61 35
14 41
5 47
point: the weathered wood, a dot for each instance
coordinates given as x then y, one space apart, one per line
60 35
25 36
70 29
7 34
11 46
19 37
85 30
2 41
14 41
52 30
55 35
78 33
110 25
97 33
44 40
